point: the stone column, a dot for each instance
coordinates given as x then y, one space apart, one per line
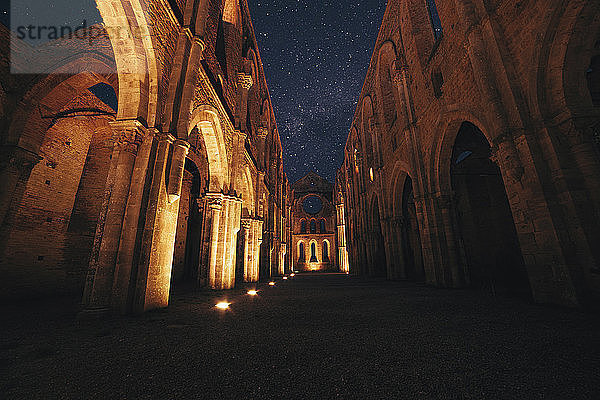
248 248
215 206
127 138
126 257
258 230
244 85
158 241
225 225
282 253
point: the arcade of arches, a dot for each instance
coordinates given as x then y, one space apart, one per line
473 158
165 170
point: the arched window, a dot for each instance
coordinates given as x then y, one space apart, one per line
593 80
322 226
301 253
434 17
313 226
313 252
303 226
325 251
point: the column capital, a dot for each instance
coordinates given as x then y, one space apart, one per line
128 135
262 132
246 223
182 143
245 81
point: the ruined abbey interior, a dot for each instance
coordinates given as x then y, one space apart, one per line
149 161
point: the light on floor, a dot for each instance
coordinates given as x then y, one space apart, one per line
271 283
253 292
285 278
223 306
292 275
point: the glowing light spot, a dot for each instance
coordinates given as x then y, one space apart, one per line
271 283
223 306
371 174
285 278
253 292
292 275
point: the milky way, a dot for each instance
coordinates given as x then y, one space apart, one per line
315 56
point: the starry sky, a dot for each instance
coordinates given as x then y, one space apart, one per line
315 55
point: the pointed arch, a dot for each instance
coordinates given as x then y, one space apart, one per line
206 119
135 57
386 94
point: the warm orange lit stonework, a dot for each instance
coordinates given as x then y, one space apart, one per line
473 159
314 234
182 185
483 147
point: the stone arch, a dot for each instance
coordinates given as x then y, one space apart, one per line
253 114
186 254
484 222
569 45
301 247
370 135
313 225
386 95
441 159
572 126
326 251
248 194
206 119
135 57
314 251
406 230
46 99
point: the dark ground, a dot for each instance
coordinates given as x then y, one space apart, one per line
314 337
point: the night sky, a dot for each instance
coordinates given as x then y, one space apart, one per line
315 56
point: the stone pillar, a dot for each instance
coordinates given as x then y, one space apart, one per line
225 212
455 273
158 240
128 136
282 253
248 248
125 272
258 240
244 85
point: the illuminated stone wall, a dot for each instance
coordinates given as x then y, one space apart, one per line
180 182
315 229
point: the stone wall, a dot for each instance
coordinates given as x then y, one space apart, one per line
516 72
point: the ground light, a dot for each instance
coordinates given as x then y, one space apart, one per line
271 283
292 275
223 305
253 292
285 278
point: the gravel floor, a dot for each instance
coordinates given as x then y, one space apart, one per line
313 337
